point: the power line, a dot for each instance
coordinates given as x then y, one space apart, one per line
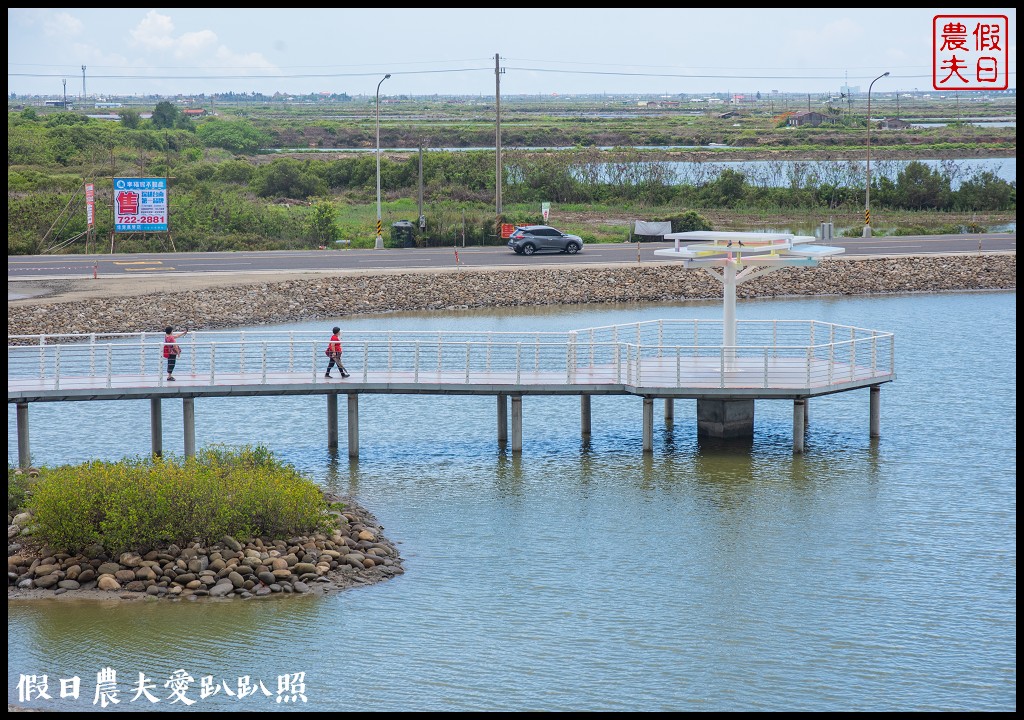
248 77
532 69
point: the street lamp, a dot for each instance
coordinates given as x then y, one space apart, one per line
379 244
867 187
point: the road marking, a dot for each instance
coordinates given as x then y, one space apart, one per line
210 264
22 262
138 262
148 269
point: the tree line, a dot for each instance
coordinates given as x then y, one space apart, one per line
226 192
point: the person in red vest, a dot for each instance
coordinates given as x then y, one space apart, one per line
171 349
334 353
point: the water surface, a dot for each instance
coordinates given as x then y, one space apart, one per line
864 575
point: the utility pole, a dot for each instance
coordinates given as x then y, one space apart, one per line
497 135
83 84
423 218
421 179
65 93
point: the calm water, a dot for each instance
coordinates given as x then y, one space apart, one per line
864 575
800 173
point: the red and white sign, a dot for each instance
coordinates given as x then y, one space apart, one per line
970 52
90 205
140 205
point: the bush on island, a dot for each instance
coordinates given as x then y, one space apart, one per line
148 501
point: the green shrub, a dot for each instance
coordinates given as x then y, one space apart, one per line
689 221
19 488
141 502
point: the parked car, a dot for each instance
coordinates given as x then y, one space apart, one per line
528 239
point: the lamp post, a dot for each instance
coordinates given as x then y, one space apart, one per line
379 244
867 187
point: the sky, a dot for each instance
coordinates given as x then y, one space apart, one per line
447 51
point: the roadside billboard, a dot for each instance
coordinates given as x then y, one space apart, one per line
140 204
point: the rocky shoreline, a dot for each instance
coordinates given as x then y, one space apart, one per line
357 553
334 296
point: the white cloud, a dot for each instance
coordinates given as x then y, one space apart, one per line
62 25
154 32
195 46
228 58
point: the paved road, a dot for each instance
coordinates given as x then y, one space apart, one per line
34 267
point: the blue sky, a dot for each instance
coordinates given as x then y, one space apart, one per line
168 51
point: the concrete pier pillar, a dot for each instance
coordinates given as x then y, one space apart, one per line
725 418
156 427
353 425
807 412
517 423
502 418
799 408
648 424
188 416
332 421
876 411
585 415
24 456
670 411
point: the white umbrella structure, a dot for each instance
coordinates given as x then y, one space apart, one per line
742 256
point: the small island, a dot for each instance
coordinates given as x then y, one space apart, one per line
230 523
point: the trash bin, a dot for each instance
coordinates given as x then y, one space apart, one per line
403 234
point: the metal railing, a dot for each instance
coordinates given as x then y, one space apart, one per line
647 355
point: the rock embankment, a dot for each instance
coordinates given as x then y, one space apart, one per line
356 553
336 296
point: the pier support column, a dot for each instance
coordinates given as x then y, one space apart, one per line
188 416
799 423
876 411
670 411
517 423
807 412
502 418
24 456
648 424
353 425
585 415
725 418
332 421
156 427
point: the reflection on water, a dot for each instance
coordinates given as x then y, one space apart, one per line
867 574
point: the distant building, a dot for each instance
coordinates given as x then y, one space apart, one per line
809 117
108 105
193 112
893 124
